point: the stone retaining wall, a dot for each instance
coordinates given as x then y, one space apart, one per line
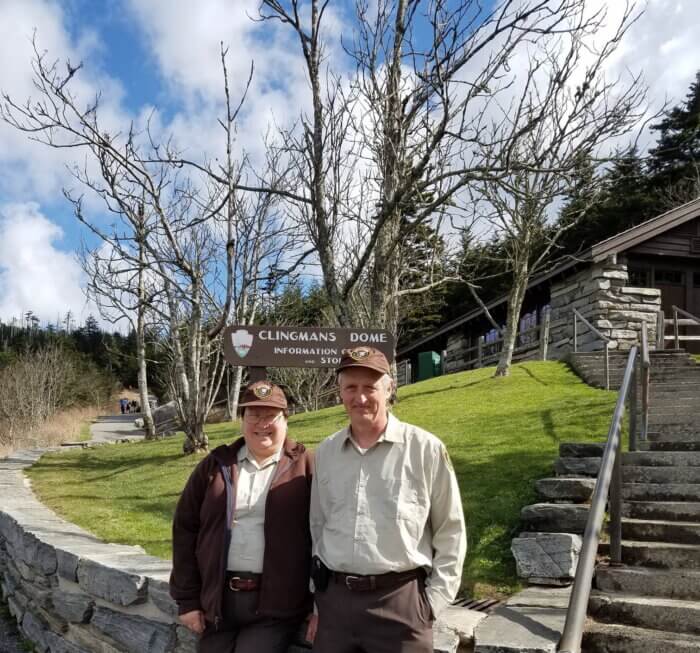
72 593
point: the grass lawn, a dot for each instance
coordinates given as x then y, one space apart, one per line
502 435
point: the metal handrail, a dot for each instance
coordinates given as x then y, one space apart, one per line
609 481
646 384
603 337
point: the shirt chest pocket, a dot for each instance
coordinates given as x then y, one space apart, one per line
401 500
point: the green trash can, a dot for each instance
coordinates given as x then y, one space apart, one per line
428 365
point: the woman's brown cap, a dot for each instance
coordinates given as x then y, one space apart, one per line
263 393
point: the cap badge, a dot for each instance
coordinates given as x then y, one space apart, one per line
262 391
359 354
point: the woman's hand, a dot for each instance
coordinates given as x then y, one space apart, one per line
194 621
311 628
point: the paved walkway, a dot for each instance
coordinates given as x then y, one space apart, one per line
113 428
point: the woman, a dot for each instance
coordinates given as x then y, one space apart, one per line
241 542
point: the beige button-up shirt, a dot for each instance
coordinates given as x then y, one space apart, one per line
393 507
247 546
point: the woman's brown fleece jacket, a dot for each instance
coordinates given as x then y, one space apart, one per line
202 533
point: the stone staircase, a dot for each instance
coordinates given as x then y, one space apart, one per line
651 603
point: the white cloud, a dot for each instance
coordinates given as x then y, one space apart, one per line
34 274
31 170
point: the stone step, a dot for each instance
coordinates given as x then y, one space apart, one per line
619 364
554 517
662 400
658 530
581 449
660 555
661 492
664 510
677 428
681 584
672 436
616 638
635 474
657 366
674 445
674 407
577 466
661 459
659 385
672 615
574 490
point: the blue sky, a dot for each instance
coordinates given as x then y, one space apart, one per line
161 56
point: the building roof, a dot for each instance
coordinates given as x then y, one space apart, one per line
598 252
645 231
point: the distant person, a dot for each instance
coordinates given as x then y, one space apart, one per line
388 530
123 404
241 540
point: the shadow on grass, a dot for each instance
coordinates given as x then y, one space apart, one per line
426 393
532 375
493 493
97 468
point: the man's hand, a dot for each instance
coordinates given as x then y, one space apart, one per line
194 621
311 628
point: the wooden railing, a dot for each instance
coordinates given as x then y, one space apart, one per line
486 353
685 320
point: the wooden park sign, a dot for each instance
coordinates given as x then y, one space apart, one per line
280 346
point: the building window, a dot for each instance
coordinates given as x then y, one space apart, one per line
639 277
669 277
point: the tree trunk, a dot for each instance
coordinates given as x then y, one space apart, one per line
233 390
510 333
385 272
148 425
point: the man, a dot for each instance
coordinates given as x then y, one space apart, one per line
241 542
386 522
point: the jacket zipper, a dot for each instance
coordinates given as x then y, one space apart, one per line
230 508
278 473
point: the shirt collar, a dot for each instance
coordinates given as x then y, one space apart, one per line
392 433
244 454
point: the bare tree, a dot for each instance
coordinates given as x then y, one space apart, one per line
122 289
174 231
390 146
565 117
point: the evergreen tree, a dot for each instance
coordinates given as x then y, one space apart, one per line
623 200
675 161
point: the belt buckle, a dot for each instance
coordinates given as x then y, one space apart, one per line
230 583
349 580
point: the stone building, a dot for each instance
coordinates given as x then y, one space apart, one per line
615 285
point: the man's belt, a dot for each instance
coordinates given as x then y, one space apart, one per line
243 581
391 579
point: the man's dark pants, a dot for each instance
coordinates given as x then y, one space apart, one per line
395 620
243 631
